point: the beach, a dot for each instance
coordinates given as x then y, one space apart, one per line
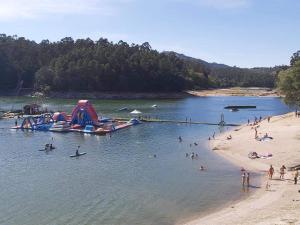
236 91
280 203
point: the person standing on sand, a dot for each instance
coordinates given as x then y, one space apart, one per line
248 179
282 168
243 178
269 119
296 175
271 172
214 135
255 133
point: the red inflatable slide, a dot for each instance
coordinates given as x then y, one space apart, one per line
84 114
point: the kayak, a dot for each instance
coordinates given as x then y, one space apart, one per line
80 154
47 149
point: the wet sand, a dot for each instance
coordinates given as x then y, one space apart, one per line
280 203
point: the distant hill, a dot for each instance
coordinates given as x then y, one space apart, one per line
227 76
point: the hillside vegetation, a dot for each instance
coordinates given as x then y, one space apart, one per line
289 80
87 65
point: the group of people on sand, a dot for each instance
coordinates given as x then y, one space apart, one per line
281 172
245 178
255 122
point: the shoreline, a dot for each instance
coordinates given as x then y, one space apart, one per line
281 203
237 91
234 91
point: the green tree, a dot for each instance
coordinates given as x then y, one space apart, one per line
289 83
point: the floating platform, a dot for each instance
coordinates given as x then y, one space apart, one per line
240 107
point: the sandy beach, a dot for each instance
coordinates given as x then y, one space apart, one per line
280 203
236 91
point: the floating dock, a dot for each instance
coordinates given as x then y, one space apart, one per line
240 107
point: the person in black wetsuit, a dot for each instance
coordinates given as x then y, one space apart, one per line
77 151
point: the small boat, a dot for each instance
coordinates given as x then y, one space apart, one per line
154 106
123 109
80 154
60 126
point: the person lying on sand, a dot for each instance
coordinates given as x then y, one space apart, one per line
229 137
253 155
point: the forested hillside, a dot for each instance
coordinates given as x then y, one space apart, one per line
87 65
226 76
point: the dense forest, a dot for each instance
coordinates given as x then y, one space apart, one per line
87 65
289 80
223 76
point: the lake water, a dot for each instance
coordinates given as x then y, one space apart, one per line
118 182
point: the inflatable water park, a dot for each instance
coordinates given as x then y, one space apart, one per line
83 119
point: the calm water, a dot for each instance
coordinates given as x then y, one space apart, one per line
118 182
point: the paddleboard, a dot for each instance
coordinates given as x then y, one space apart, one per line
80 154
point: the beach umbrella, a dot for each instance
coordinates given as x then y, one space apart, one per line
135 112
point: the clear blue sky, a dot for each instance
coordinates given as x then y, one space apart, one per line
245 33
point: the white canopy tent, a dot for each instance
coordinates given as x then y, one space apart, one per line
135 112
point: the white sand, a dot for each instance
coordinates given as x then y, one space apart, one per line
281 203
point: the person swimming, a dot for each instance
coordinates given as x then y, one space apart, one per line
192 155
180 139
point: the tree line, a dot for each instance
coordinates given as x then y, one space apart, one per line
87 65
289 80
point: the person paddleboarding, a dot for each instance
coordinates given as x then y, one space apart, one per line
77 151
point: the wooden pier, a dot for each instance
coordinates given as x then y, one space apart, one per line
153 120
